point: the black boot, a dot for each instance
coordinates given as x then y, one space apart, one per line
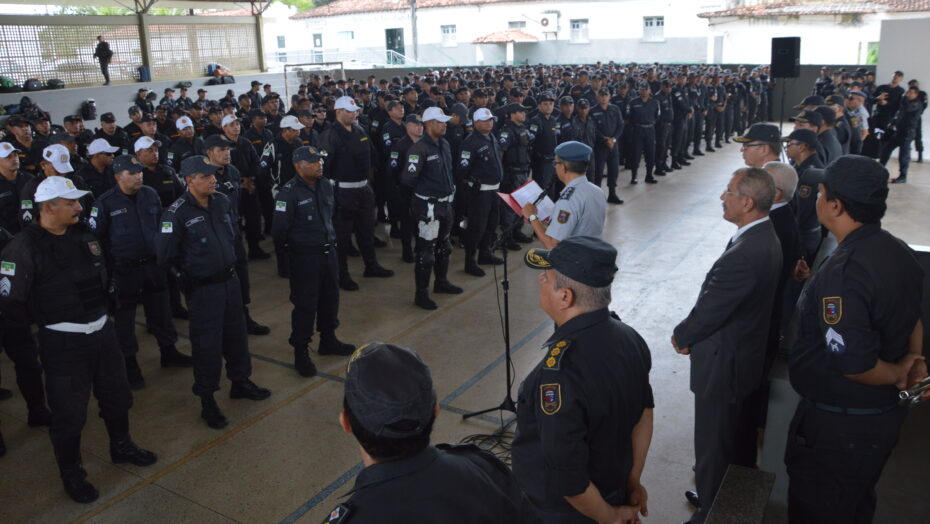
172 358
520 236
920 157
487 258
73 476
211 413
134 374
248 389
612 197
346 283
709 149
122 448
441 267
471 267
302 362
423 300
649 178
179 312
252 327
257 253
697 152
330 345
5 393
422 272
406 250
376 271
676 166
633 178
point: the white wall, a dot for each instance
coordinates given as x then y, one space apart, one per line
903 47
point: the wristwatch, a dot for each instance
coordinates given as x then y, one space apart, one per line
533 217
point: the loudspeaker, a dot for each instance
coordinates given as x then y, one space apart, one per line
786 57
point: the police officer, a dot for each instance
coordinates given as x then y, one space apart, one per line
186 145
859 341
515 144
112 133
304 212
349 154
55 276
198 239
125 219
801 149
98 173
244 157
392 130
428 172
479 167
664 127
277 170
13 181
158 175
55 162
400 194
390 407
609 122
644 114
584 413
545 129
580 209
583 129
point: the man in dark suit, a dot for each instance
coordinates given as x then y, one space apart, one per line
104 54
726 333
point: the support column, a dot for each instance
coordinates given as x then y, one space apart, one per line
260 41
144 46
413 24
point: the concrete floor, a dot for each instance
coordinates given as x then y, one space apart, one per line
286 459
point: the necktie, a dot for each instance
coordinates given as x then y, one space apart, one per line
730 243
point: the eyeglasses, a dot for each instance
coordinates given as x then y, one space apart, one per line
794 144
747 146
557 163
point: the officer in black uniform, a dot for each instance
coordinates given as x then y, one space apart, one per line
198 239
515 143
400 194
277 170
479 167
584 413
98 173
186 145
545 128
349 153
157 174
113 134
125 219
303 223
55 276
609 123
664 127
859 341
801 147
390 407
644 114
392 130
428 172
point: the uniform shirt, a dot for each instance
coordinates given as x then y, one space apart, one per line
10 191
515 145
259 139
609 122
197 240
429 168
390 133
181 148
443 484
228 183
96 181
545 133
644 113
126 224
349 153
579 211
831 146
577 409
164 180
119 139
244 157
29 208
396 159
479 161
304 213
665 107
804 201
860 306
277 160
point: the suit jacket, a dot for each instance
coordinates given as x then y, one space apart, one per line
728 328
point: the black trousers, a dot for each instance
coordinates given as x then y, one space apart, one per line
663 136
431 252
723 435
355 214
644 145
834 462
710 125
250 210
105 69
242 271
265 202
543 172
147 285
217 331
17 340
483 211
679 138
76 364
698 128
314 294
609 158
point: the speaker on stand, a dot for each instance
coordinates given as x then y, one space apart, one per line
786 63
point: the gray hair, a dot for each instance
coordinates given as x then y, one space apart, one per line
757 184
586 297
784 176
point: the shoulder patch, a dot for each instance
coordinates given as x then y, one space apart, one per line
280 206
804 191
167 227
339 514
8 268
832 310
94 211
555 354
550 398
563 216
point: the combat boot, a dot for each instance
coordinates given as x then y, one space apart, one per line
330 345
302 362
211 413
172 358
73 475
122 448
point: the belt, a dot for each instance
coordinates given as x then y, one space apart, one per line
489 187
134 263
643 125
851 411
447 198
352 185
320 249
71 327
216 278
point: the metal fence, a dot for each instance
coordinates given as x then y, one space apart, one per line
62 47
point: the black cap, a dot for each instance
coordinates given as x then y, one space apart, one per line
389 390
216 141
806 136
761 133
215 108
73 118
517 92
811 117
59 138
256 83
257 113
413 119
858 178
169 90
828 114
546 96
513 107
603 92
583 103
201 90
305 113
479 93
147 117
459 109
108 118
588 260
813 100
308 153
127 163
197 164
566 101
836 100
16 121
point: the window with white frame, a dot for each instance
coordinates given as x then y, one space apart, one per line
519 24
345 37
653 28
281 42
579 30
448 36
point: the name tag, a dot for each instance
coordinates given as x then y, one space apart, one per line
118 212
193 221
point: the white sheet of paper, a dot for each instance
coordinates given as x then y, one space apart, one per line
528 193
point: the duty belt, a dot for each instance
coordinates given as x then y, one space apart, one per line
353 185
320 249
216 278
447 198
643 125
851 411
134 263
489 187
72 327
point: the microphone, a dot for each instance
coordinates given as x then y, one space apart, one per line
544 192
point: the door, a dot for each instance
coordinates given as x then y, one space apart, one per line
394 41
317 47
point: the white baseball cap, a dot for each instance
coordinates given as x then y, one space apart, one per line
59 156
434 113
228 119
184 122
57 187
483 114
6 149
347 103
145 142
291 122
100 146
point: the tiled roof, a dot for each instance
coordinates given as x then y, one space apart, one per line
345 7
849 7
503 37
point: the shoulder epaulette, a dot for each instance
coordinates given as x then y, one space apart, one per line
555 355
